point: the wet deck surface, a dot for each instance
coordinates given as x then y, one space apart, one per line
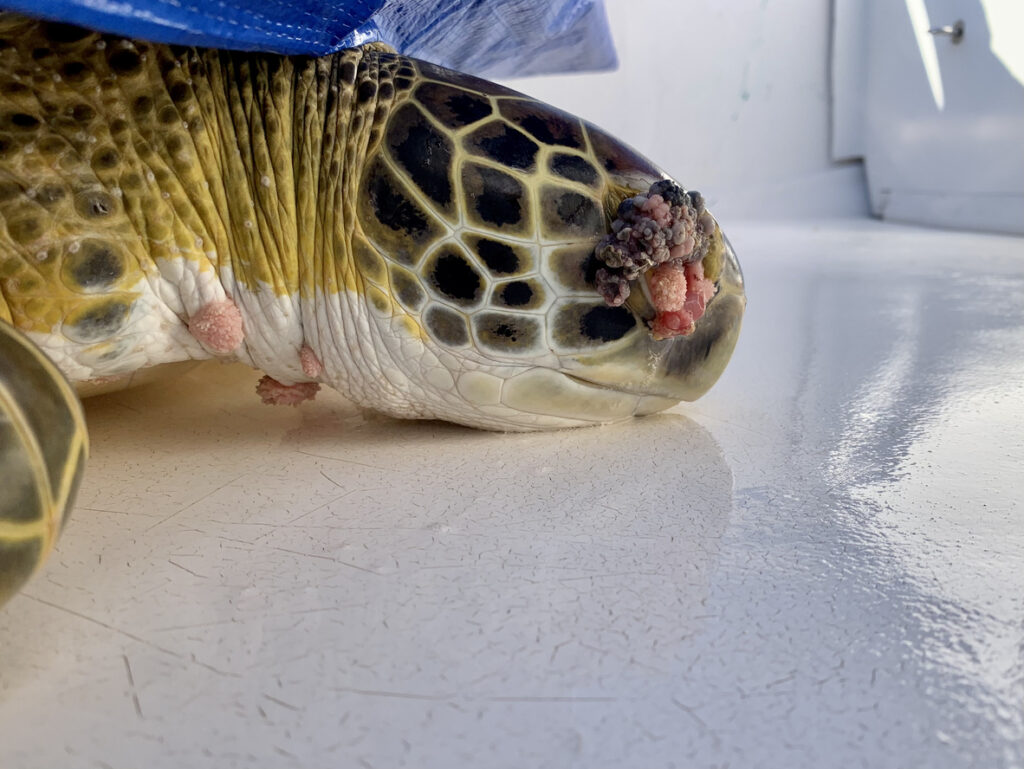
821 563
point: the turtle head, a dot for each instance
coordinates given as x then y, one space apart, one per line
556 276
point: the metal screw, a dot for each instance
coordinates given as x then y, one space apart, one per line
955 32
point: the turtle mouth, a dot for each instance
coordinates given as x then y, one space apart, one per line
647 403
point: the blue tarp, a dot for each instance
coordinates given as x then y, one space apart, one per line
497 38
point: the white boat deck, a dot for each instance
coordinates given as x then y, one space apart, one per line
819 564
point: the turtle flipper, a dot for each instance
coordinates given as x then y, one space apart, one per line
43 446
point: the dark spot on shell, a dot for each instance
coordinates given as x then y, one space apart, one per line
499 257
19 558
579 326
9 191
180 92
469 82
455 278
119 126
386 90
168 115
95 266
7 145
117 349
105 158
424 152
546 124
74 71
380 302
575 266
504 144
574 168
331 105
125 61
366 91
24 121
41 53
516 294
607 324
368 261
142 105
393 209
348 72
51 145
403 83
446 326
166 65
497 197
59 33
547 133
406 229
625 164
97 322
25 230
175 144
14 88
50 195
506 333
407 289
95 204
83 113
569 213
452 106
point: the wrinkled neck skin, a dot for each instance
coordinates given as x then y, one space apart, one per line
298 263
303 133
291 135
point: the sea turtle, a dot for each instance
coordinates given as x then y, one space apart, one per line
420 239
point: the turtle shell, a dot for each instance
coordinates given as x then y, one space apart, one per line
43 446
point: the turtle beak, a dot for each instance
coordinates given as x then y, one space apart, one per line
681 368
687 366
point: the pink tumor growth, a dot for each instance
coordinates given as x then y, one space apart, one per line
218 326
680 296
663 236
311 365
276 393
